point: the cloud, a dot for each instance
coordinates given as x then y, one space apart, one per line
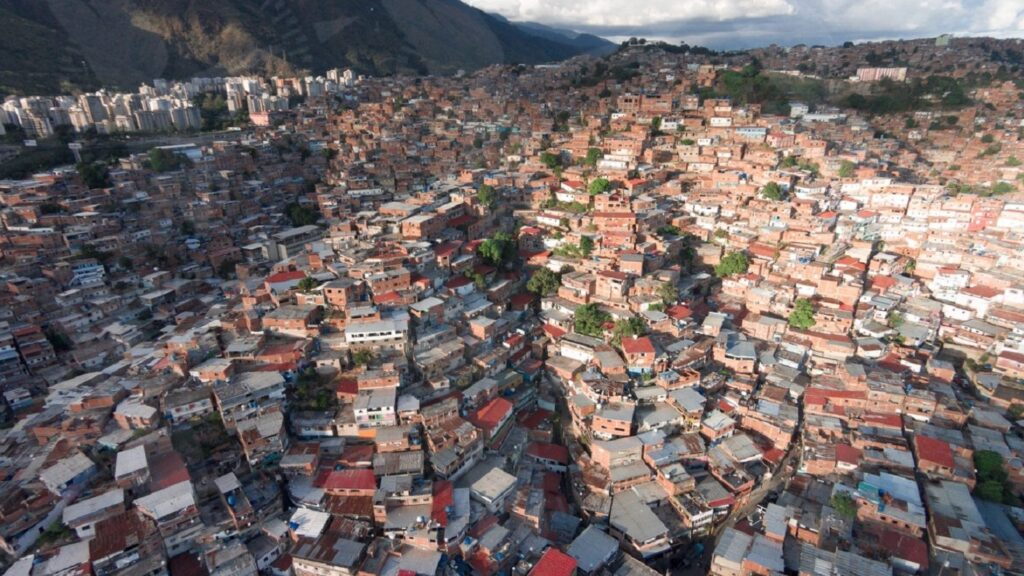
747 23
584 13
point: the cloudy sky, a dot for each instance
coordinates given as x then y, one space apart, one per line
746 23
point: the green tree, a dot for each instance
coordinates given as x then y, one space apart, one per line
668 230
844 505
550 160
988 139
593 155
589 319
300 215
586 245
94 175
487 196
362 357
491 251
307 284
846 169
628 328
732 263
226 268
668 293
163 160
895 320
772 191
802 316
598 186
544 282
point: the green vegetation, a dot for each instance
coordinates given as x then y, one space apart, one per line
307 284
498 249
593 155
163 160
59 341
732 263
598 186
993 484
628 328
487 195
844 505
668 293
895 320
847 169
668 230
589 320
581 250
550 160
94 174
301 215
213 109
891 97
802 316
573 207
362 357
772 191
544 282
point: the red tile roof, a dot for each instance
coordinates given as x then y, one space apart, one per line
934 450
346 480
641 345
290 276
547 451
847 454
444 496
554 563
491 414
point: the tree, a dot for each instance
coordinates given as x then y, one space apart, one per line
300 215
1015 411
895 320
163 160
988 139
844 505
846 169
628 328
772 191
668 293
586 245
668 230
544 282
93 174
656 126
589 320
598 186
307 284
802 316
593 155
487 196
989 465
732 263
226 268
491 251
362 357
550 160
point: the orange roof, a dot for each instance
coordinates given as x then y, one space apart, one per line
554 563
491 414
641 345
290 276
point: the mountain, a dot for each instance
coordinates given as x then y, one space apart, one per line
586 43
51 46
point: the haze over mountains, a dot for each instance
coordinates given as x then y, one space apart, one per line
55 45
